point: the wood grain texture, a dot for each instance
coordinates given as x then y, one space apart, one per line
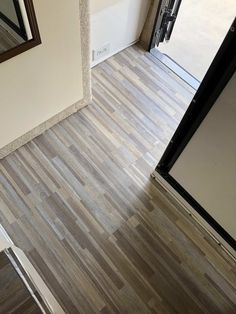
80 203
7 40
14 296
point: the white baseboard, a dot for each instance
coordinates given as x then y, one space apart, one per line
44 291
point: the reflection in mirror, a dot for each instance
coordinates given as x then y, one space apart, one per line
18 27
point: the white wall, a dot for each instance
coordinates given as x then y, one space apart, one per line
25 19
118 22
45 80
99 5
207 166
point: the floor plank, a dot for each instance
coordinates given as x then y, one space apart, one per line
14 295
7 40
80 202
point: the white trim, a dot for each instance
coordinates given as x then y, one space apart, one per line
25 19
192 212
46 294
38 282
5 241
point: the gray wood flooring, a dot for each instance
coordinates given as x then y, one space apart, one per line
7 40
80 202
14 296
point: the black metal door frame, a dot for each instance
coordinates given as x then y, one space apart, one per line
217 77
167 12
166 16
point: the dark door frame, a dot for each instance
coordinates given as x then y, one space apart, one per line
221 70
20 30
163 26
167 12
36 40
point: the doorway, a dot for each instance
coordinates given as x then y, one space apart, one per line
216 92
188 33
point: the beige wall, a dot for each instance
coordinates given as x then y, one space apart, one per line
118 22
146 34
207 166
43 81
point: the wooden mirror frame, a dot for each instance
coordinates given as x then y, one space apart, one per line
35 41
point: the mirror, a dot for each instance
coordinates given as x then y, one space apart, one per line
18 28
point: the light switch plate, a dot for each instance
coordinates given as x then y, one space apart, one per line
101 52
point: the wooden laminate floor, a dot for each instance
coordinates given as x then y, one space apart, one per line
79 201
14 296
7 40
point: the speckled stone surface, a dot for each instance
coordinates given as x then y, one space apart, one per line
86 70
